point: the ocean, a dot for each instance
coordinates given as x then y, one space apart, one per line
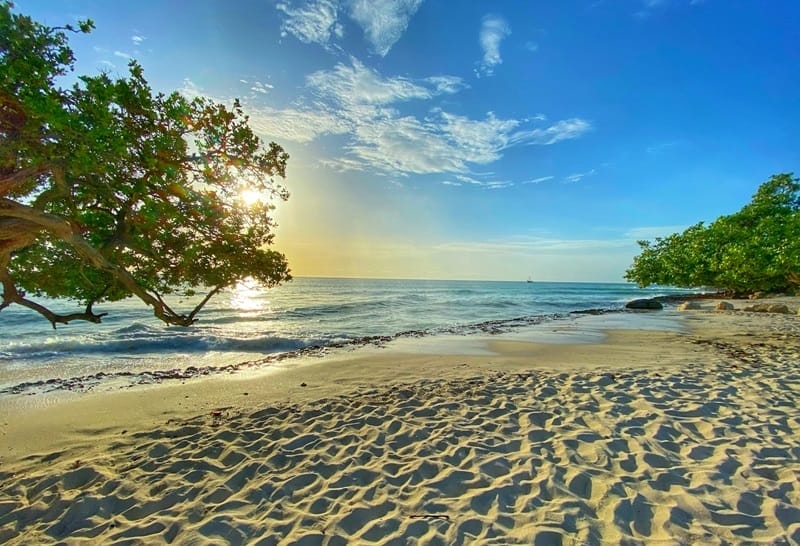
249 323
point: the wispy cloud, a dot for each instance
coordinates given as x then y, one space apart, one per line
663 147
138 39
561 130
355 84
312 21
191 90
649 7
489 184
384 21
261 87
577 177
494 29
296 125
447 84
122 55
538 180
320 21
367 107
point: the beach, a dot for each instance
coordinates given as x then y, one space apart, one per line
633 437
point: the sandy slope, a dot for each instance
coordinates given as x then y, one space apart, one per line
649 438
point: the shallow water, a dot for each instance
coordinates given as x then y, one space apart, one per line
248 323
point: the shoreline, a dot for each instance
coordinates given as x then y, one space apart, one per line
464 333
645 436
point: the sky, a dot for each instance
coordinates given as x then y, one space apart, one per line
502 140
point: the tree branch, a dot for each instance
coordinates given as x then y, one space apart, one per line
62 229
12 295
11 181
202 304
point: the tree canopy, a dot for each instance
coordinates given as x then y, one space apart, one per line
109 190
755 249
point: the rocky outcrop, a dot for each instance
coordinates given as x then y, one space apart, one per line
644 304
724 306
689 306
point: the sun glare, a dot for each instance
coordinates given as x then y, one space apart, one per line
250 197
247 295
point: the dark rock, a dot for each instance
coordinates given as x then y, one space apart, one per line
724 306
689 305
648 304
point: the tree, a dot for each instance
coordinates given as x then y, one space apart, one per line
754 249
109 190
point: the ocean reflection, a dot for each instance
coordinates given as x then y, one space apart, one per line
249 296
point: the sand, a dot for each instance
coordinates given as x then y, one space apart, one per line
645 437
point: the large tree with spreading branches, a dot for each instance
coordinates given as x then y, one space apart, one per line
756 249
109 190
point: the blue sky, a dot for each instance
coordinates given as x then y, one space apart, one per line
481 140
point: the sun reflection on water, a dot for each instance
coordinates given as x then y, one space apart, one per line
248 296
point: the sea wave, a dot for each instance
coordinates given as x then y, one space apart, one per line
138 345
300 316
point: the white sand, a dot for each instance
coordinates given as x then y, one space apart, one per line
647 438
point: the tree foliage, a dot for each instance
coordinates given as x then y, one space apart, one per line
754 249
110 190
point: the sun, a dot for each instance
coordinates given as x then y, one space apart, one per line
250 197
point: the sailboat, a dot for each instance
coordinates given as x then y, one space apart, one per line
529 279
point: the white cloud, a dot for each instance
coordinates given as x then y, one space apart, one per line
441 142
493 30
296 125
357 84
364 106
312 22
191 90
649 7
260 87
383 21
437 144
447 84
561 130
343 164
538 180
461 179
577 177
122 55
319 21
137 39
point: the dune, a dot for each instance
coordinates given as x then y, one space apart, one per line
646 437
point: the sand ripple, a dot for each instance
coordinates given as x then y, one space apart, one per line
703 454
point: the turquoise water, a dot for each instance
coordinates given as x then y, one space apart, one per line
248 323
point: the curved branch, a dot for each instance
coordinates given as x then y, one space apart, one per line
202 304
12 295
62 229
10 182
